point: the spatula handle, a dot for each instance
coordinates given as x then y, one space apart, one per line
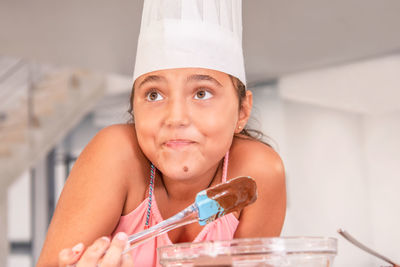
186 216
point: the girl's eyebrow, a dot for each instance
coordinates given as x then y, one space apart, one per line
201 77
151 78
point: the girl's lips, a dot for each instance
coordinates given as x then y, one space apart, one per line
176 144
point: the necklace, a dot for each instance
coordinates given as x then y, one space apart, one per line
151 187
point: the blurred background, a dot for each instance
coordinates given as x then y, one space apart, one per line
326 80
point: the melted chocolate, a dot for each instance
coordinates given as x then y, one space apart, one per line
234 195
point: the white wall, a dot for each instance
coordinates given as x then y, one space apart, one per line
382 150
19 210
326 181
335 161
268 116
19 223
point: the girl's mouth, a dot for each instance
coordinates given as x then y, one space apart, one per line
178 143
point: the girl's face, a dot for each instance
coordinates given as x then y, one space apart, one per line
185 119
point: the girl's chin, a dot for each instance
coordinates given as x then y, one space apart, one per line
181 164
178 171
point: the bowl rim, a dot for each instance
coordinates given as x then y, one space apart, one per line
332 242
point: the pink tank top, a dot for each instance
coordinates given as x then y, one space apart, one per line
146 254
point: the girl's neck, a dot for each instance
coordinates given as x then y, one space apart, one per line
184 190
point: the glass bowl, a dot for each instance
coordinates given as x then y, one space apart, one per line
280 251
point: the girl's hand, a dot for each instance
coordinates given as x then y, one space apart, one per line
101 253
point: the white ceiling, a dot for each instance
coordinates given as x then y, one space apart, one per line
280 36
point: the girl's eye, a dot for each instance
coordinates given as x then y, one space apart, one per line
202 94
154 96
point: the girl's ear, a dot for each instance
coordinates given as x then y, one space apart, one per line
245 111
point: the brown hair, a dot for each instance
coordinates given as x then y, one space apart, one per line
241 93
246 132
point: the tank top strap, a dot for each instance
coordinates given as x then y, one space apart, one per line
225 167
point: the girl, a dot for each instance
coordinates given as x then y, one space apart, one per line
190 112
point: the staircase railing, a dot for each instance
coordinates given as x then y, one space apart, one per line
39 106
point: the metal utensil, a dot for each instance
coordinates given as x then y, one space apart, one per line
358 244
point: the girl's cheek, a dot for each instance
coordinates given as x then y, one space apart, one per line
217 118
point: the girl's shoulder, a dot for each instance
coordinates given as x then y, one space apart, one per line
122 139
118 134
118 142
104 180
249 157
117 147
248 153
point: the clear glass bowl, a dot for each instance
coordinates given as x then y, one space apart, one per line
282 251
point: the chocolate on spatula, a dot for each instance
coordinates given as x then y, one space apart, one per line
225 198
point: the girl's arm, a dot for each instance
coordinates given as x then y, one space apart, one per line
94 195
265 217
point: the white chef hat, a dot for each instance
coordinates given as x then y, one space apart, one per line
191 33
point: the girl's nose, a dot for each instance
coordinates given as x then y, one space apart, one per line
178 113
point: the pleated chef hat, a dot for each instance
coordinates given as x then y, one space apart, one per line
191 33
